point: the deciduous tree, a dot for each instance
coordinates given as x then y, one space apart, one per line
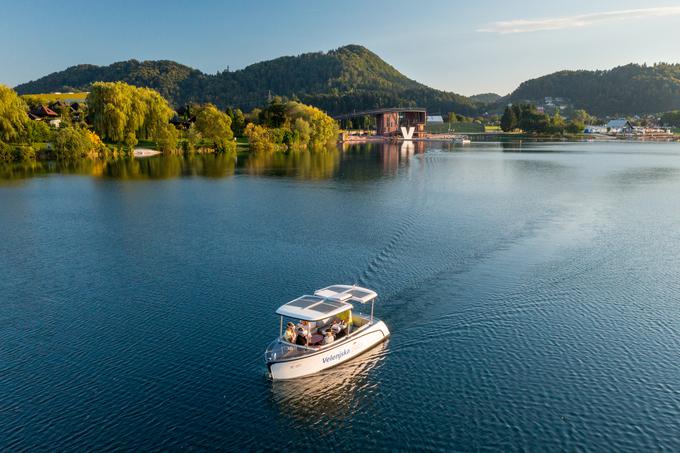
215 126
13 115
122 113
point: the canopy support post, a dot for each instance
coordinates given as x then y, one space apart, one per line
281 326
372 302
349 322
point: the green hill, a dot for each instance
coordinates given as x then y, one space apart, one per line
167 77
342 80
486 98
625 90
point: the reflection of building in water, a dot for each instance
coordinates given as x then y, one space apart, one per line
331 394
394 154
407 149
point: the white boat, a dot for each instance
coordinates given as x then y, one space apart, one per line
461 140
286 360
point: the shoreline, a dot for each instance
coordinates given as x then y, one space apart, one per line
485 136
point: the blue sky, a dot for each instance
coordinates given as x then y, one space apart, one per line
466 47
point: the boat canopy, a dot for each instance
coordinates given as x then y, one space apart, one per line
313 308
347 293
326 302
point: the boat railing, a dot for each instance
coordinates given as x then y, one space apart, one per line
281 349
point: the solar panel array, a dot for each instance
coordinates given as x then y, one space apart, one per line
328 306
305 301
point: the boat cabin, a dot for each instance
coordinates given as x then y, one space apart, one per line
323 330
328 309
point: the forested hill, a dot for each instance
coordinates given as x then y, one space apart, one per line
167 77
342 80
486 98
624 90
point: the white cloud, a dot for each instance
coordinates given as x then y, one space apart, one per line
583 20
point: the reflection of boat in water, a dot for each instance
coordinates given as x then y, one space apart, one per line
461 140
334 391
320 314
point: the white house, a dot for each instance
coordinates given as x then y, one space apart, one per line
620 126
435 119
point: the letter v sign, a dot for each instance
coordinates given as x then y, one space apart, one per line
407 133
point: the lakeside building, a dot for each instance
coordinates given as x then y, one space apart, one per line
46 114
51 113
397 122
620 126
624 127
654 131
594 129
438 119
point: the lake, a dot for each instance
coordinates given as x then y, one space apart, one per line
532 291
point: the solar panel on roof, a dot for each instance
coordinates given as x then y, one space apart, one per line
336 303
337 289
327 306
305 302
340 296
358 293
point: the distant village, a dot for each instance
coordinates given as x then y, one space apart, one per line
624 127
48 113
647 126
53 113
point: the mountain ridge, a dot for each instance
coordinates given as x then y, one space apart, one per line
353 78
629 89
341 80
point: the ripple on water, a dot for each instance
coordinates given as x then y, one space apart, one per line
531 297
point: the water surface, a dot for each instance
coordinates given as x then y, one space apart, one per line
532 290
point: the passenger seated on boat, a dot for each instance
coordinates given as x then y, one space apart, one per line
290 334
339 328
328 338
301 338
305 327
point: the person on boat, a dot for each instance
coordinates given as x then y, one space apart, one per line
328 338
304 326
301 338
290 334
339 327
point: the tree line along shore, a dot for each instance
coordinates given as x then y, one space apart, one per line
115 117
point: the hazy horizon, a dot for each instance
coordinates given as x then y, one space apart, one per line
466 49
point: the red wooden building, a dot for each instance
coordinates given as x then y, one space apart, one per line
389 122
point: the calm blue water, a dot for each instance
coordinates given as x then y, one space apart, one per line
533 293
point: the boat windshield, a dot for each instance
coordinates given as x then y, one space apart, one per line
279 349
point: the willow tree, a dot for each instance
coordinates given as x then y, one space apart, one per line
109 108
312 124
13 115
122 113
215 126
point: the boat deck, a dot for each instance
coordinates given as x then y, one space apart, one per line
280 349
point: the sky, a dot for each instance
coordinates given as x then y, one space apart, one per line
460 46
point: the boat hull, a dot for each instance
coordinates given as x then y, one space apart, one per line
329 356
